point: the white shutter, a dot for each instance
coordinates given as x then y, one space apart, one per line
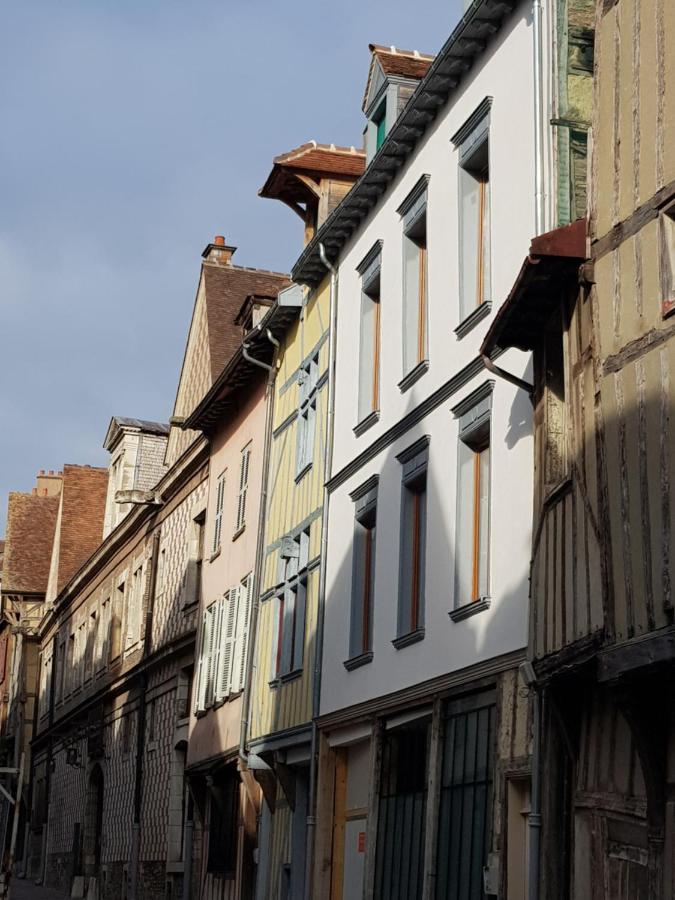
215 650
243 487
241 637
227 641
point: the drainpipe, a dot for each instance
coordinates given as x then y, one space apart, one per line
539 193
318 653
534 819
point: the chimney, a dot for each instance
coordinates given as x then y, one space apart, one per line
218 252
49 484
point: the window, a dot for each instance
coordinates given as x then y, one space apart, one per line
218 523
363 572
103 634
126 734
466 796
309 384
92 641
380 120
401 820
61 671
152 713
68 675
290 624
199 558
116 623
472 142
223 807
473 498
207 662
414 213
243 489
161 563
667 223
369 353
414 463
135 608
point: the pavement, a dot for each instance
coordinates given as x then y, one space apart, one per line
24 889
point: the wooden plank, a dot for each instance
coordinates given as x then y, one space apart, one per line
340 794
373 811
433 803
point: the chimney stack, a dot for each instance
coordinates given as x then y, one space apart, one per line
218 252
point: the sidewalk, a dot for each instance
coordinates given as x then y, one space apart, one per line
24 889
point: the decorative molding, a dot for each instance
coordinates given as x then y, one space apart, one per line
366 423
467 324
364 488
407 639
411 452
474 397
413 375
469 609
357 661
420 188
479 113
370 257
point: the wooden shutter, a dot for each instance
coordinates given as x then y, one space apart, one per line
241 637
228 627
243 487
216 653
220 497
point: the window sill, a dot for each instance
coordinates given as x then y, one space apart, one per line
301 474
414 375
239 532
467 324
285 679
215 555
667 308
469 609
366 423
405 640
355 662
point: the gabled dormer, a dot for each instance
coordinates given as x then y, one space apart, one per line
313 179
392 78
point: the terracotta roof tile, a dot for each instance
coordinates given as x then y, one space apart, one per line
226 287
316 161
31 520
394 61
80 529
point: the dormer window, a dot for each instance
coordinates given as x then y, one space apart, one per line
252 312
380 120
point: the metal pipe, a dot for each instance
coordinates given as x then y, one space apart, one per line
539 193
318 653
256 362
534 819
507 376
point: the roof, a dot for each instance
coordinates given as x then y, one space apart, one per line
316 161
551 267
226 287
31 521
467 42
117 423
397 62
240 371
80 526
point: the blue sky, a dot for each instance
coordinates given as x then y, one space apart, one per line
132 131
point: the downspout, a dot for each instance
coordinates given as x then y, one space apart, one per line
318 653
539 193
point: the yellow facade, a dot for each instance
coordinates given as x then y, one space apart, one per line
292 503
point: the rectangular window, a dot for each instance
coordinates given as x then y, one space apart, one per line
70 664
200 523
161 563
363 570
222 834
92 640
240 649
369 352
126 734
243 488
116 622
472 141
667 228
415 287
135 608
472 561
218 522
309 384
380 119
466 796
103 635
414 463
208 661
61 671
399 857
291 606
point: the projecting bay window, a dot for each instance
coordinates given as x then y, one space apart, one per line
288 646
414 462
472 540
415 292
308 379
473 144
667 253
363 574
369 351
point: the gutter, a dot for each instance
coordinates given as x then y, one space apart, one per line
318 652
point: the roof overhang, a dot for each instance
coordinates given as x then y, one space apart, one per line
467 42
552 266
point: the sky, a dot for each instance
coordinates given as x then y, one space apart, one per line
131 133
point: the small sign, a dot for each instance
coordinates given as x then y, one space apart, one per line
362 842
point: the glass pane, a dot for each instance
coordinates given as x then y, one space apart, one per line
469 190
411 282
366 361
464 526
485 233
484 523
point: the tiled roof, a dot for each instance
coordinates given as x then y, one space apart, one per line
394 61
31 520
472 36
226 287
316 161
80 528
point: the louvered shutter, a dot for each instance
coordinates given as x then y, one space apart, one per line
208 655
241 637
243 487
227 639
202 675
216 653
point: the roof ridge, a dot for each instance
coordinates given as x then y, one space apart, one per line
246 269
399 51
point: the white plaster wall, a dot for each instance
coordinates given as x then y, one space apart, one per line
505 74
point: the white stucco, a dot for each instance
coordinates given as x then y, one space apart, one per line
505 74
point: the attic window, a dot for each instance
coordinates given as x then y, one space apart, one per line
380 120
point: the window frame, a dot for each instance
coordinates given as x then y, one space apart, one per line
308 385
363 574
413 212
290 621
370 361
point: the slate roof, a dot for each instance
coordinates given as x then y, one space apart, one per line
31 521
